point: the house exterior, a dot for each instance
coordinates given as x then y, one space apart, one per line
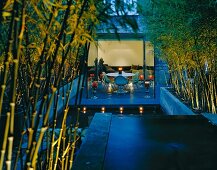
126 47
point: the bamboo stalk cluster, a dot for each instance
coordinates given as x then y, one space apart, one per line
45 46
185 35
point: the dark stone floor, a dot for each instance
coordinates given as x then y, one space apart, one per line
155 142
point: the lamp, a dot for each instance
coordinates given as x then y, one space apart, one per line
141 77
151 77
120 70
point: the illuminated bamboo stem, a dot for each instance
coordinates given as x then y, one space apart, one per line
10 149
12 117
3 86
60 137
212 96
32 150
53 137
49 106
5 140
72 155
196 95
63 145
18 152
52 149
74 139
35 155
67 156
15 80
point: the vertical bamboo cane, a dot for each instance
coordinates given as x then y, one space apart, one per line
60 137
35 155
3 86
3 150
212 95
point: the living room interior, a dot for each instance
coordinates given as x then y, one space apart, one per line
131 56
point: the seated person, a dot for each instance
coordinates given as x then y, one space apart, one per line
137 68
108 69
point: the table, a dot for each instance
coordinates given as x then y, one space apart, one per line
120 86
124 74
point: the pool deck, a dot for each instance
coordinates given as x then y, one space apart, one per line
138 97
134 142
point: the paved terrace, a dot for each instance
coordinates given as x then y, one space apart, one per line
138 97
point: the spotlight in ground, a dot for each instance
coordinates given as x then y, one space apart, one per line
140 109
103 109
84 109
121 109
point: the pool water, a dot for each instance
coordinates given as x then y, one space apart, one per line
152 142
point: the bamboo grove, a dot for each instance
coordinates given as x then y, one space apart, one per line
185 36
43 48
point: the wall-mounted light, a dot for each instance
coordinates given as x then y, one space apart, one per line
103 109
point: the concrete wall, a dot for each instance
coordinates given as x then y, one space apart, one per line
171 105
61 100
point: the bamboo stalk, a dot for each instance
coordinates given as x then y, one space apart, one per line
60 137
67 159
32 150
64 157
51 154
18 151
202 102
207 100
212 95
35 155
196 95
73 147
3 150
63 145
9 155
3 86
53 135
74 139
70 149
49 106
47 147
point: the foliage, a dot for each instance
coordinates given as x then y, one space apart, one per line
44 45
185 33
41 49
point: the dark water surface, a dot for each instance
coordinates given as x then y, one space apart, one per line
155 142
